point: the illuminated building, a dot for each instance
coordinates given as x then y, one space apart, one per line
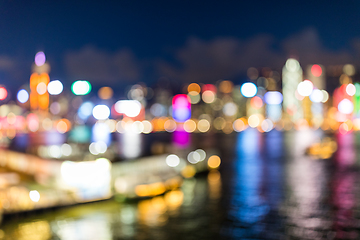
316 74
39 79
292 76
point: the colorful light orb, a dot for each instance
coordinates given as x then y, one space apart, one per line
316 70
3 93
81 87
316 96
22 96
350 89
105 93
256 102
55 87
85 110
273 97
181 108
130 108
248 89
101 112
305 88
346 106
40 59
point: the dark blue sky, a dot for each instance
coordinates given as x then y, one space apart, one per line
149 27
155 29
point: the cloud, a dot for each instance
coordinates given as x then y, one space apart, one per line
101 67
229 58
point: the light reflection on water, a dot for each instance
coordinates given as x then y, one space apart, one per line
267 188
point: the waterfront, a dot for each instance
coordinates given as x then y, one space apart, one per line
266 188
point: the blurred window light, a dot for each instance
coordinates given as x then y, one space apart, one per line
55 87
316 96
189 126
230 109
325 96
203 125
292 65
346 106
85 110
219 123
81 87
147 127
248 89
34 195
194 97
194 87
193 157
41 88
239 125
267 125
214 161
181 108
40 59
55 108
172 160
170 125
305 88
273 97
226 86
101 112
349 69
254 121
202 154
316 70
208 96
66 149
256 102
158 110
137 127
54 151
22 96
350 89
105 93
130 108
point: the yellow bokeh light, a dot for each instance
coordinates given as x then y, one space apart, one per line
203 125
194 87
208 96
189 126
226 86
214 161
170 125
105 93
188 171
254 121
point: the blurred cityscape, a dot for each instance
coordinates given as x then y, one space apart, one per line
153 157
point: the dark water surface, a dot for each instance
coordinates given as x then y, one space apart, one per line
267 188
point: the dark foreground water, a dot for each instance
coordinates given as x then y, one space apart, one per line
267 188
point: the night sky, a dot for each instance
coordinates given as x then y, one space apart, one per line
121 42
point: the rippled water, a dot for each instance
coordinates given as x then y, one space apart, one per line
267 188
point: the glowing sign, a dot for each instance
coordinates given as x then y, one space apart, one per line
181 108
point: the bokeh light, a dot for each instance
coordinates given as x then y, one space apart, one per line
22 96
248 89
55 87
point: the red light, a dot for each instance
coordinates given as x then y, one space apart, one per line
209 87
3 93
316 70
256 102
